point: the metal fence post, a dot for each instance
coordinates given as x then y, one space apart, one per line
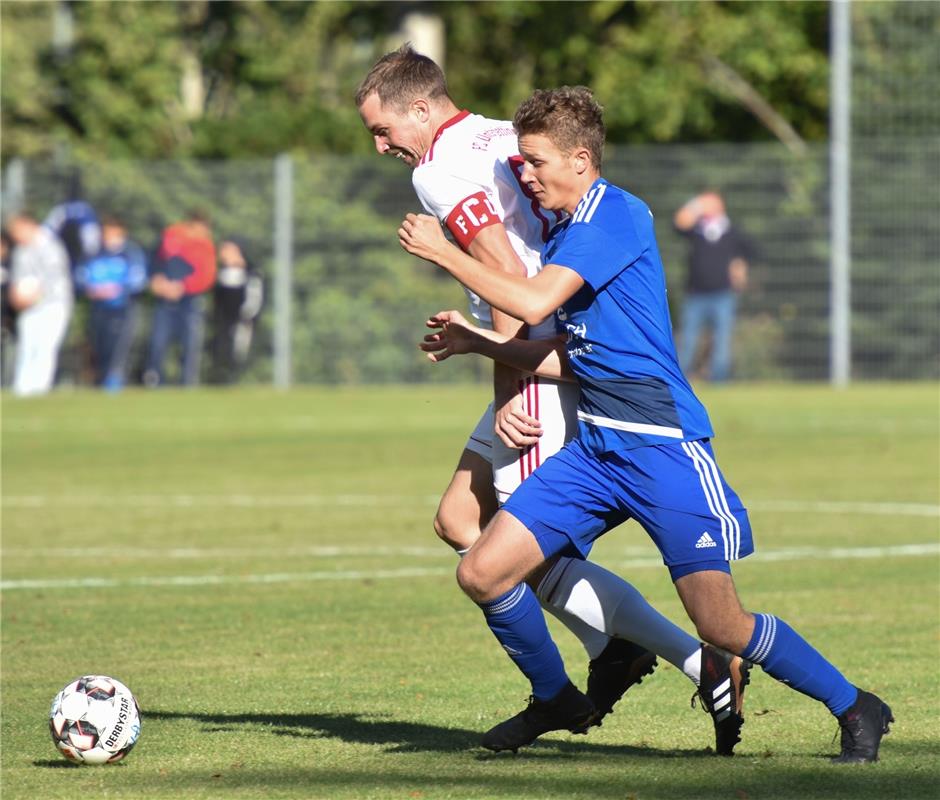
840 132
283 267
14 186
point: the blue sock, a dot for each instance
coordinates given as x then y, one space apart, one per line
788 657
517 621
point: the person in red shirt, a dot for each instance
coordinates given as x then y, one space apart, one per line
184 270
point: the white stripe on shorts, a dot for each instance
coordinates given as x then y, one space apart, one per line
715 497
722 500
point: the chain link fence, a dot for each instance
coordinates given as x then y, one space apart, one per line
357 302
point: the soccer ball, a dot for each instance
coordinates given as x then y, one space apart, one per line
95 720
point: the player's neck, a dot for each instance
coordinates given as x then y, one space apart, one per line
442 113
580 187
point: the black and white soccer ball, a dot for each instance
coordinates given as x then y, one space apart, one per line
95 720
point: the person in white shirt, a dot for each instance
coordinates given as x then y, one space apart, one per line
41 294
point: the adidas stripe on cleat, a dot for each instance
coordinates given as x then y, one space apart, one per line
721 690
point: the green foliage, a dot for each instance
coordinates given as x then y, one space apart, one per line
268 77
360 298
262 78
649 62
26 93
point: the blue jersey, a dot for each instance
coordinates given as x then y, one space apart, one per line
620 346
125 268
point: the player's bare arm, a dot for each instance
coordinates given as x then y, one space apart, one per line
528 299
514 427
456 336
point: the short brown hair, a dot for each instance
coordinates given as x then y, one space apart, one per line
402 76
112 220
569 116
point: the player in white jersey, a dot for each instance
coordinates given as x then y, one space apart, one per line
467 173
469 179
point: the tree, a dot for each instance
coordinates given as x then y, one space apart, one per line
197 78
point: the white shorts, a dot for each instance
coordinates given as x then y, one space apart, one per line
555 405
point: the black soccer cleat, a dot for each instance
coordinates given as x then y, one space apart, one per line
568 710
721 689
863 725
622 664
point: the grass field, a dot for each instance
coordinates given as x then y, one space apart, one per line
260 569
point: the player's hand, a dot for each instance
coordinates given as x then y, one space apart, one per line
455 336
422 236
514 427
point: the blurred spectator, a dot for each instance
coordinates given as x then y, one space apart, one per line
717 274
76 224
110 280
41 295
237 300
7 313
184 270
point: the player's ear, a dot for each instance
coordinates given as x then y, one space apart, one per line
581 158
421 109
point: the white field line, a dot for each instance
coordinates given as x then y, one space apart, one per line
219 580
28 501
791 554
843 507
184 553
215 501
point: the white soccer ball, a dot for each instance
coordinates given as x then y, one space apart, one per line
94 720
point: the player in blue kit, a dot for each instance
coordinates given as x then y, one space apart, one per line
642 450
466 171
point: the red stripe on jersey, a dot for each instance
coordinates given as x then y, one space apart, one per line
530 408
530 459
452 121
470 216
538 451
522 453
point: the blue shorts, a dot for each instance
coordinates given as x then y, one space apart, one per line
675 491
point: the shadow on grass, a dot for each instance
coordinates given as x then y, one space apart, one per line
558 766
399 736
51 763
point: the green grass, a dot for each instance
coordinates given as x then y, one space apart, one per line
333 655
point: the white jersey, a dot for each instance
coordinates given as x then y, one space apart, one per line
470 178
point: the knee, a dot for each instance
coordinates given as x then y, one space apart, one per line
730 631
709 631
474 581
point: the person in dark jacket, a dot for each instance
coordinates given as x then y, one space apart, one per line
718 270
237 300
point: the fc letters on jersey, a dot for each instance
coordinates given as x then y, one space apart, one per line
470 216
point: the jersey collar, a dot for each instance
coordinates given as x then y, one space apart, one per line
589 198
444 126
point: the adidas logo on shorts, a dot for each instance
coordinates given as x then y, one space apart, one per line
705 541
